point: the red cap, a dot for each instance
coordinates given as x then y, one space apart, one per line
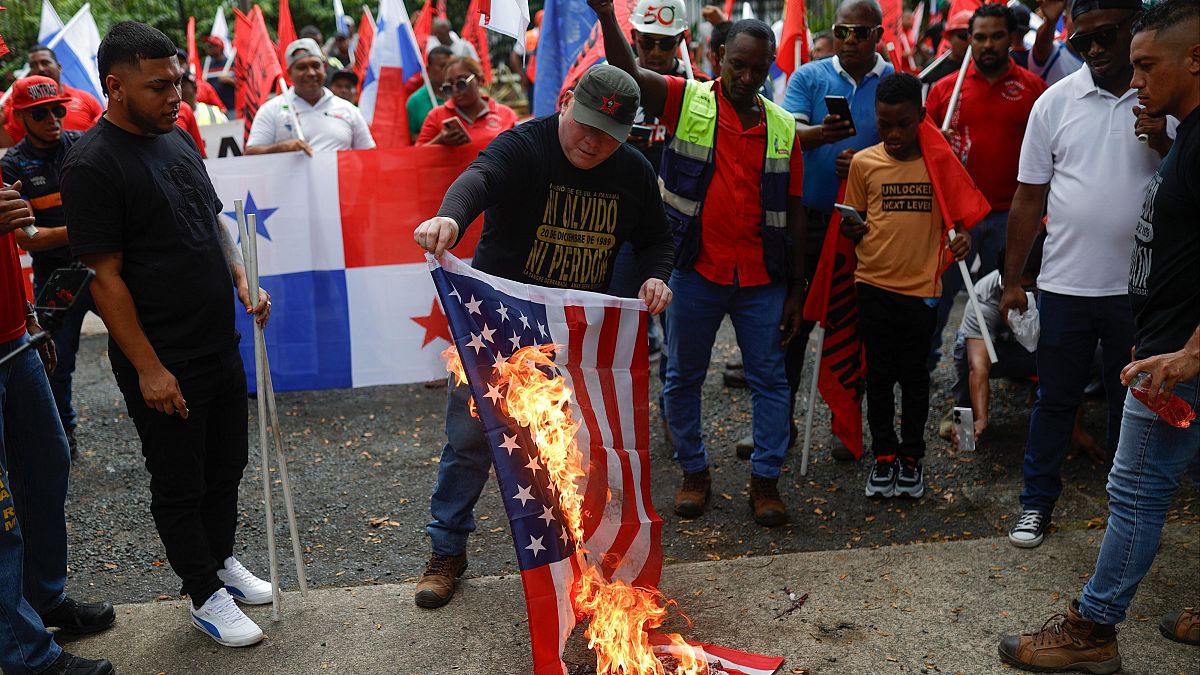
36 90
215 41
960 21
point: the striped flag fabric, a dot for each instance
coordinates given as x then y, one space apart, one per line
601 352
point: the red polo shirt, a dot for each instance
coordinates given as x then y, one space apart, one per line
990 122
495 119
82 112
731 219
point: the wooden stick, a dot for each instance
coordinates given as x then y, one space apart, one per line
812 401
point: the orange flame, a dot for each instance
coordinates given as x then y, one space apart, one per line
621 615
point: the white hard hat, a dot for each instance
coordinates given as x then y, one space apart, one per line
659 17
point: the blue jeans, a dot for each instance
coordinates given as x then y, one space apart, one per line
1150 460
1071 328
66 343
693 318
34 465
462 473
987 238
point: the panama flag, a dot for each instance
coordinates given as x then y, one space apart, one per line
221 29
75 47
51 24
394 58
340 20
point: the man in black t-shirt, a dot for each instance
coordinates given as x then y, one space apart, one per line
36 161
1164 289
535 183
142 213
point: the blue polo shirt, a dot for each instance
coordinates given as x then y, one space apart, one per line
805 99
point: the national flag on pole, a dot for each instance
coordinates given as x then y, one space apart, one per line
914 35
424 26
256 65
507 17
50 25
600 351
961 203
340 20
221 29
286 30
193 56
75 48
566 27
473 32
394 58
362 49
793 45
593 49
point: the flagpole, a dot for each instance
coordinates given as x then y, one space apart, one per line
686 57
229 61
87 7
934 64
290 102
281 461
812 398
421 60
204 69
962 264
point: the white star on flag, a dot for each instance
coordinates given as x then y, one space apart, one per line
499 361
547 514
503 312
493 394
510 444
473 306
523 494
535 545
541 329
525 321
476 343
454 294
563 535
516 341
487 333
533 465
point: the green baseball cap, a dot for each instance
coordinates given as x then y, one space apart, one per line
607 98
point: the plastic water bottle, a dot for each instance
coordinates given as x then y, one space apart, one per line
1171 409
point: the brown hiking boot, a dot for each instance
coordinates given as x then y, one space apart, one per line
1182 625
769 510
1065 643
693 494
436 586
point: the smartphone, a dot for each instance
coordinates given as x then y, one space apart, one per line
640 133
838 105
849 213
450 122
61 291
964 428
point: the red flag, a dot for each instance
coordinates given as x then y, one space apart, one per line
475 34
441 10
193 57
961 203
729 10
256 66
423 28
3 51
287 35
592 51
795 31
362 51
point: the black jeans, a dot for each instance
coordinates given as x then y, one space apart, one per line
195 464
896 330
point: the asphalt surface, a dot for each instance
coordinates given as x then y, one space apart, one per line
363 463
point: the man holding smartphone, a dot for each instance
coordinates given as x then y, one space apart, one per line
830 139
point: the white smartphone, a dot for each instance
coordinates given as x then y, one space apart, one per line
964 428
849 213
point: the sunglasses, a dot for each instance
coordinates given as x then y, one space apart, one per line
39 114
664 44
842 31
1105 37
457 86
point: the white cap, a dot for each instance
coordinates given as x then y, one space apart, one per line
659 17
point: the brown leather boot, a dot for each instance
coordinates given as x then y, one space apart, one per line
436 585
1182 625
693 494
1066 642
769 510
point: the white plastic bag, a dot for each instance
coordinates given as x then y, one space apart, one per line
1026 327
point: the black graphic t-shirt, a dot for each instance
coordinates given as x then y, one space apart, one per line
150 199
1164 274
552 224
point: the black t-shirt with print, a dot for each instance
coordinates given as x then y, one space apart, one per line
552 224
1164 275
150 198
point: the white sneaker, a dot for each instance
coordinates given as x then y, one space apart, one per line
242 585
222 620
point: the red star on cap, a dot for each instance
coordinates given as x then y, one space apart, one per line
609 105
435 324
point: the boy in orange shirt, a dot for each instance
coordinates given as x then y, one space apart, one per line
898 280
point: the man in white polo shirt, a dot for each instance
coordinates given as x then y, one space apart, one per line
1080 149
327 121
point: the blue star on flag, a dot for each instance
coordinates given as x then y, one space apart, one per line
260 215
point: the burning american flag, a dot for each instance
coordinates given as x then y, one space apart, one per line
560 380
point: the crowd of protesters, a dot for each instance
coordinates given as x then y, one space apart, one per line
1075 163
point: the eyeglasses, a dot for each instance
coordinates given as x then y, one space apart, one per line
664 44
457 86
842 31
1105 37
39 114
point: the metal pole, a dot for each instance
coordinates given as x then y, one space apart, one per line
962 75
281 460
290 103
812 401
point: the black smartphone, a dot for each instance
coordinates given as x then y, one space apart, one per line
61 291
838 105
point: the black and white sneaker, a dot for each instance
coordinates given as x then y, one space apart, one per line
910 482
882 481
1029 530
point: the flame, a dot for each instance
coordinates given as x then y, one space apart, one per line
621 615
